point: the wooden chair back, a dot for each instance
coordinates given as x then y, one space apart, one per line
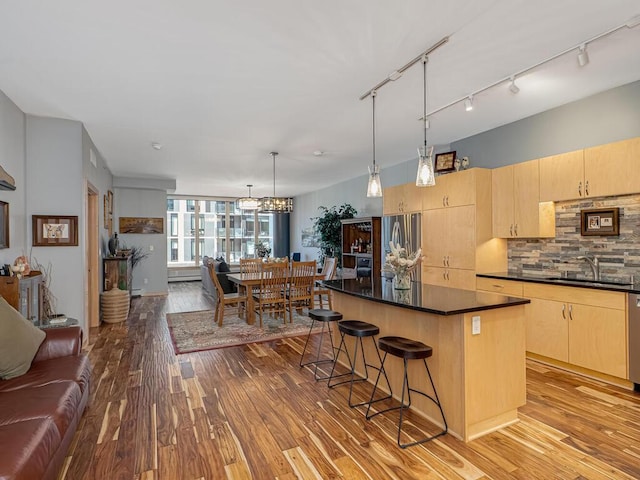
216 283
329 268
250 265
273 286
301 285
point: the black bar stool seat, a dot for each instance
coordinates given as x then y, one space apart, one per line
326 317
359 330
407 349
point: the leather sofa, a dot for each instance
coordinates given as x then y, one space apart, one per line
40 410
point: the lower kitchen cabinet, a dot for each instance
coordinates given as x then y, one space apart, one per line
579 326
449 277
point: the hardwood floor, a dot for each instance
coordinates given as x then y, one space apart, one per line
251 412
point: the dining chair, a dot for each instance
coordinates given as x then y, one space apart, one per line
328 273
272 293
224 299
301 285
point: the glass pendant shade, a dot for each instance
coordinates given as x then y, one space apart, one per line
248 203
374 188
426 176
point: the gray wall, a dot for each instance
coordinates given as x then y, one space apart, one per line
139 202
12 159
54 186
603 118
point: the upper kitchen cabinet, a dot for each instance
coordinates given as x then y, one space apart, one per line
516 207
612 169
562 177
451 190
401 199
605 170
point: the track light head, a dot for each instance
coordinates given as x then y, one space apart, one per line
468 103
583 56
513 88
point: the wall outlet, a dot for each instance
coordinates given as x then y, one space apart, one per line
475 325
151 248
146 280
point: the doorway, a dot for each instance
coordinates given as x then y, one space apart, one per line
92 299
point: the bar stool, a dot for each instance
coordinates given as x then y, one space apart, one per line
359 330
407 350
326 317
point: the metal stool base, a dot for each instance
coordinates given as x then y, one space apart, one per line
318 360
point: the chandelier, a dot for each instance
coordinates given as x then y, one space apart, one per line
275 204
248 203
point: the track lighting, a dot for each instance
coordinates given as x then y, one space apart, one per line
513 88
468 103
583 56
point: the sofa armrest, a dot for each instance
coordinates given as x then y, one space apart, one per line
60 342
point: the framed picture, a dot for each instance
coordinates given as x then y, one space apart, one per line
106 212
4 225
110 201
55 231
600 221
445 162
141 225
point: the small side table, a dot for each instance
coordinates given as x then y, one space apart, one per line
44 324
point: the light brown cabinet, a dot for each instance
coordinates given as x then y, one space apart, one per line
456 238
579 326
406 198
605 170
516 207
366 234
117 273
24 294
452 190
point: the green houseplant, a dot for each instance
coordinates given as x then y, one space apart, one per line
329 228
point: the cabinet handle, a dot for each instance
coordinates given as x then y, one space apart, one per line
444 261
447 275
444 275
511 230
515 229
586 188
563 307
571 312
580 188
447 200
447 260
443 203
497 286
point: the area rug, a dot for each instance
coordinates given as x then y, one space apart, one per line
197 331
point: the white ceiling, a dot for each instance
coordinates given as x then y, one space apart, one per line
221 83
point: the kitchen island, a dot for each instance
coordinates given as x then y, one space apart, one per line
480 377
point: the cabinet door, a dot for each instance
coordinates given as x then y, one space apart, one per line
434 276
434 237
461 237
526 199
502 196
597 339
612 169
390 202
562 176
460 278
412 198
434 197
461 188
548 329
496 285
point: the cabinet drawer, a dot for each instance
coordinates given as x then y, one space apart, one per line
584 296
506 287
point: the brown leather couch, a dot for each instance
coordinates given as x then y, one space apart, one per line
40 410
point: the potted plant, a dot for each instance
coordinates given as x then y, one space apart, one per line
329 228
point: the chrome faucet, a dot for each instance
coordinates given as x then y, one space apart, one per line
594 263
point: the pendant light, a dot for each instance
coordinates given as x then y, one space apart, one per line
275 204
248 203
425 176
374 188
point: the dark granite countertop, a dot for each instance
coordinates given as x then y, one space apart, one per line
426 298
567 282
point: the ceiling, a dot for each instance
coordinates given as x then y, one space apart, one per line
220 84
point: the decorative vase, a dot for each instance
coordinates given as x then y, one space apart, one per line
113 244
402 281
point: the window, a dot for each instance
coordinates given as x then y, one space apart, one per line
215 228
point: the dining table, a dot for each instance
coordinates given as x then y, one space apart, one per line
249 281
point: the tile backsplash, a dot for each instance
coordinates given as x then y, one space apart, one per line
619 255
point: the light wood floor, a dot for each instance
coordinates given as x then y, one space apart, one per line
251 412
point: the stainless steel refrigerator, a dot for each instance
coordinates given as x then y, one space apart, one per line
404 230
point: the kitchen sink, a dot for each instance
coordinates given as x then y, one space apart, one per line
585 280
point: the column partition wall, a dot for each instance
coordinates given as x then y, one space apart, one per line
213 227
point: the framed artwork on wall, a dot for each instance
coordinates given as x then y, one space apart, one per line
54 231
141 225
445 162
600 221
